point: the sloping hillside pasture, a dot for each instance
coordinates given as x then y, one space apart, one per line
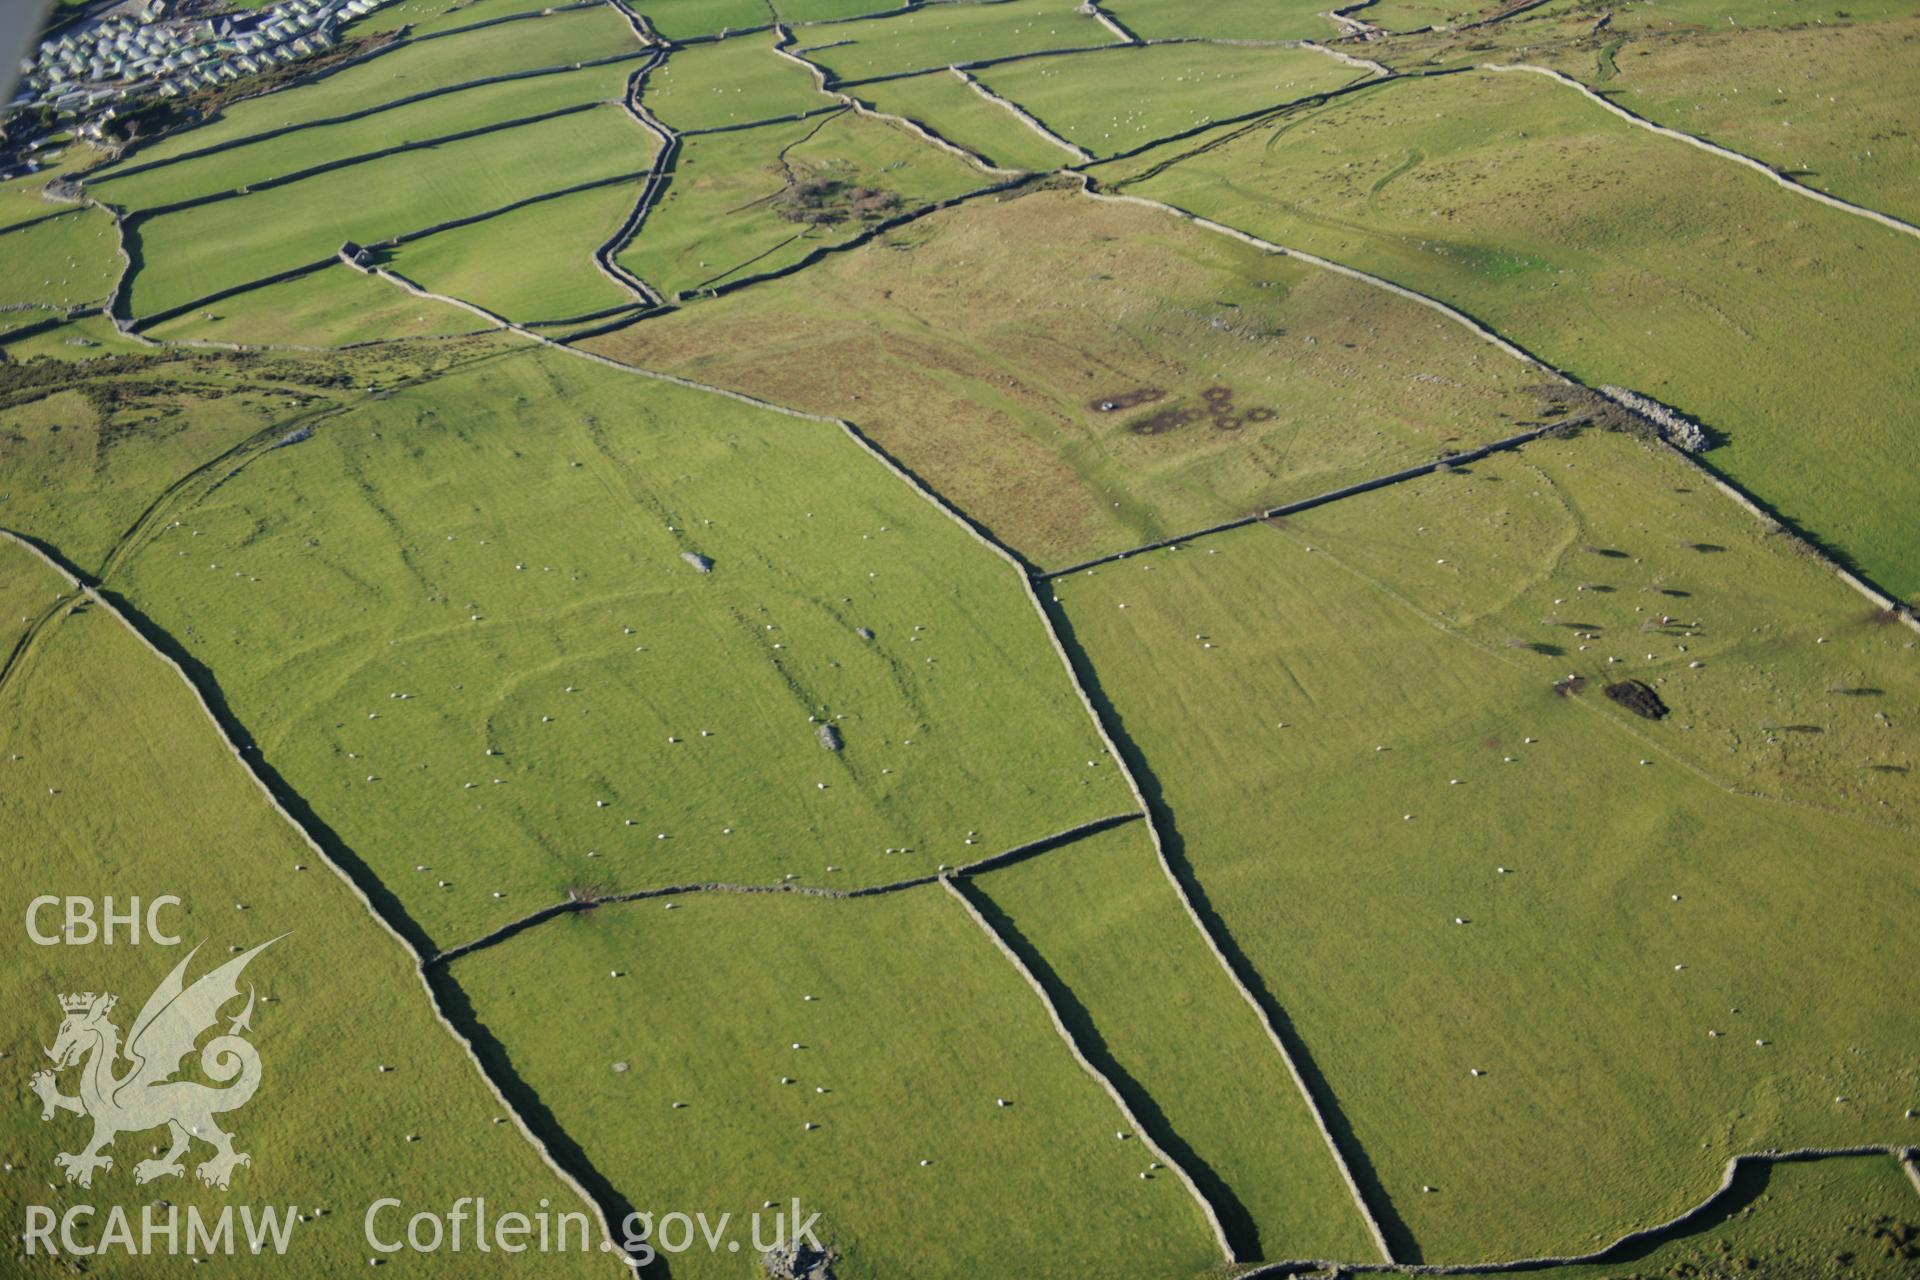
325 144
196 252
556 40
1805 1217
917 1028
940 35
689 19
1132 975
61 262
1604 557
421 16
81 338
1792 1219
1667 973
79 464
12 323
1473 25
393 16
1535 35
21 200
28 589
530 265
472 12
735 205
1829 105
1222 19
96 447
830 10
1170 88
979 344
730 82
1625 258
649 724
1413 15
1721 15
335 306
947 105
116 784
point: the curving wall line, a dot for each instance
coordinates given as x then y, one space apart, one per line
1674 1226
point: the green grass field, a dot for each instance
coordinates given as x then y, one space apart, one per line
1625 258
21 200
686 19
650 724
830 10
195 252
945 104
28 590
1556 811
86 449
323 144
1222 20
558 40
61 262
733 207
335 306
1170 88
978 345
1855 1217
1827 104
81 338
116 784
1605 557
942 34
81 463
1725 15
729 82
1413 15
918 1026
1667 973
1134 976
422 16
530 265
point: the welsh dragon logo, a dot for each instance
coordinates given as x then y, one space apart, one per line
144 1094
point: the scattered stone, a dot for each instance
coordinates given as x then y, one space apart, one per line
797 1261
1631 411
